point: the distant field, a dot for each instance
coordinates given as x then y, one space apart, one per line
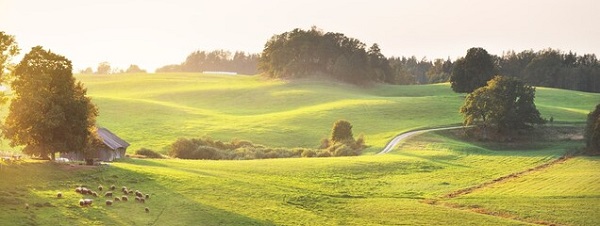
153 110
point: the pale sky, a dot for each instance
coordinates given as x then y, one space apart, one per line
154 33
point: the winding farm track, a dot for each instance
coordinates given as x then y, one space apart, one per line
394 142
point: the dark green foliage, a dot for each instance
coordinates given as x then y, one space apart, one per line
218 60
472 71
207 148
341 131
553 68
506 104
592 132
301 53
49 112
148 153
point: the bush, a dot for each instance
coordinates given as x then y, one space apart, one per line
149 153
206 148
341 131
307 153
183 148
343 149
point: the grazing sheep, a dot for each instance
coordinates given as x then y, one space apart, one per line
100 188
88 202
108 194
125 191
78 189
139 194
147 196
82 202
109 202
130 192
59 195
117 199
94 194
112 187
147 209
137 199
124 198
26 206
124 188
142 200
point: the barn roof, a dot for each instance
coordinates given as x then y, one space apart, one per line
111 140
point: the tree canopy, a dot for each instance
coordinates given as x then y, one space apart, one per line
505 103
8 49
472 71
592 131
300 53
217 60
49 112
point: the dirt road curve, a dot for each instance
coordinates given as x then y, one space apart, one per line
392 144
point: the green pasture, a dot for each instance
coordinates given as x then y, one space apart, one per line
153 110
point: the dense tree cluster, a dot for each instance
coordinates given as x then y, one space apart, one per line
218 60
301 53
592 132
505 103
408 71
552 68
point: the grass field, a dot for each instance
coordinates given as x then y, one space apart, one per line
393 189
366 190
153 110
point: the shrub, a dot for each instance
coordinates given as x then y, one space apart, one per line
206 152
342 149
183 148
307 153
148 153
341 131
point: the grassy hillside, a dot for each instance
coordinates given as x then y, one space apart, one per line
382 189
396 188
152 110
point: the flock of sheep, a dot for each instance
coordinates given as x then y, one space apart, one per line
85 202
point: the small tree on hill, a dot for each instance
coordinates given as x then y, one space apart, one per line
506 103
592 132
49 112
341 131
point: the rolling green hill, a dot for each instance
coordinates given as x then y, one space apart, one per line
153 110
406 186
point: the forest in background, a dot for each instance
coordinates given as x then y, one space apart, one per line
315 53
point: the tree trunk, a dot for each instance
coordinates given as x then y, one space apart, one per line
53 156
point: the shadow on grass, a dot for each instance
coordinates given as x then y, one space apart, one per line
37 184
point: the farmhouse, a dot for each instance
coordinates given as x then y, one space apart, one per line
113 148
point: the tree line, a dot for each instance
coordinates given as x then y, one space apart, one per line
104 68
301 53
217 60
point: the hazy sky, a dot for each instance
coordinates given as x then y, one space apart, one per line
153 33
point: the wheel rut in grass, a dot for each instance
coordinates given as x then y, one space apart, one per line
502 179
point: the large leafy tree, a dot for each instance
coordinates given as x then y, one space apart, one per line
50 112
506 104
472 71
592 131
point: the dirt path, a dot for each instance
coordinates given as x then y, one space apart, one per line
392 144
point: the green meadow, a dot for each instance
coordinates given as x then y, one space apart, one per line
153 110
407 186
